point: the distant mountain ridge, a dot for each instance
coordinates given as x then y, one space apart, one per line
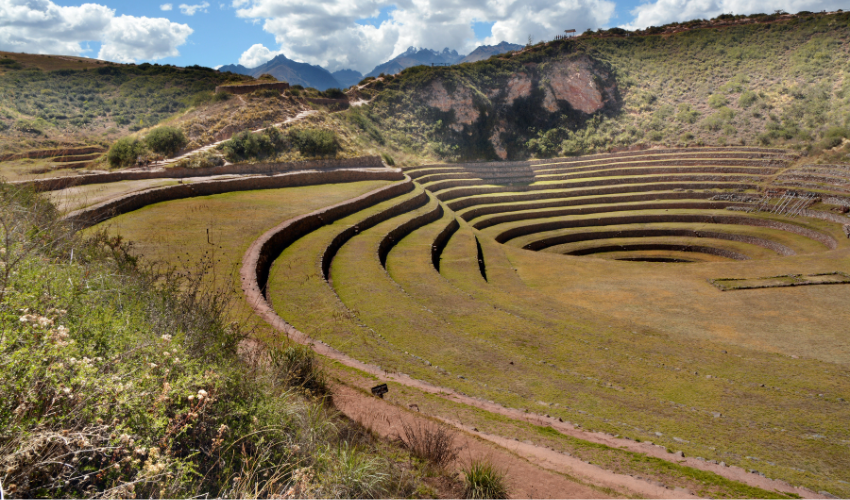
309 75
414 57
486 51
348 77
296 73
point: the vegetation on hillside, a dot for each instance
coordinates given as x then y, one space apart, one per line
121 381
779 83
41 103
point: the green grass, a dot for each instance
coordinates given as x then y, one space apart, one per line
119 381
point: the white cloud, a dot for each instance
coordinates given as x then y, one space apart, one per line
166 7
43 27
327 33
256 55
190 10
666 11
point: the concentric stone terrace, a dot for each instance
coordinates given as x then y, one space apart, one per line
660 206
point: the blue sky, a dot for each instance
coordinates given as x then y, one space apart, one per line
337 34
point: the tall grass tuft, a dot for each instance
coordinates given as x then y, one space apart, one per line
430 442
483 480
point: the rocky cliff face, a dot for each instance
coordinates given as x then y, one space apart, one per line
506 112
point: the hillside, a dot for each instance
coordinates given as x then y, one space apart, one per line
43 103
765 80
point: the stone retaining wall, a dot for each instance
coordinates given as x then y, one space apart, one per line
441 241
649 233
55 183
567 212
654 169
516 232
340 239
259 257
722 252
97 213
397 234
571 202
524 195
250 87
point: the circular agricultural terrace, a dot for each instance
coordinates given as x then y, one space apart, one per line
620 292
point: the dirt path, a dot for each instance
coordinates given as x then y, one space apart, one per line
263 309
524 479
299 116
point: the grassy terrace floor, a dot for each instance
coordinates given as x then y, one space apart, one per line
757 378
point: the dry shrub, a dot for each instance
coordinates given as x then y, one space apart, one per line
429 441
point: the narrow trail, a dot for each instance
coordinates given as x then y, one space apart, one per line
554 460
169 161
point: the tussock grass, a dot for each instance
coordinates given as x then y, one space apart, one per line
483 480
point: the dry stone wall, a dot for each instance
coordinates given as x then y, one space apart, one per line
340 239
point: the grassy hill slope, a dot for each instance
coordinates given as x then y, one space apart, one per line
767 80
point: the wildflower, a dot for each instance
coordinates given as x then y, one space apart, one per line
202 392
66 390
166 354
192 397
166 338
153 365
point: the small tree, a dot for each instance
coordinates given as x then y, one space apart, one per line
166 140
125 151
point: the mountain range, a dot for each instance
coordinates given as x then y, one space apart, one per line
309 75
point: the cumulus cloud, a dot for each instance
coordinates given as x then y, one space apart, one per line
166 7
190 10
666 11
256 55
43 27
327 33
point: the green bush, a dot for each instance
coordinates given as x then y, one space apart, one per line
747 99
333 94
717 101
125 151
482 480
250 145
687 114
314 142
388 159
166 140
834 136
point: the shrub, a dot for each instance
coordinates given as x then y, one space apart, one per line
482 480
834 136
687 114
429 441
206 159
747 99
297 366
314 142
166 140
717 101
334 94
388 159
267 77
125 151
250 145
